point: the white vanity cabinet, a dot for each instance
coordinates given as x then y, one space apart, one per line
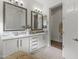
37 42
10 46
13 45
24 44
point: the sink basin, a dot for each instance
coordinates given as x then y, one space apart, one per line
34 32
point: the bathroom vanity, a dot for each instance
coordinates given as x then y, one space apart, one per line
26 43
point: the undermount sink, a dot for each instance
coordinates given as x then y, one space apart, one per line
34 32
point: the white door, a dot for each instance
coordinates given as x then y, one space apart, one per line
10 46
70 22
24 44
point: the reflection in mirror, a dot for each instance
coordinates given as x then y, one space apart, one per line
40 21
36 21
14 17
45 23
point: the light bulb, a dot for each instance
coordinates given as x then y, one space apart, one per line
21 3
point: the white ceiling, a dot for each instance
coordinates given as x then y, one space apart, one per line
49 3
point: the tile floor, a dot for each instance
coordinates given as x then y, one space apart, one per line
48 53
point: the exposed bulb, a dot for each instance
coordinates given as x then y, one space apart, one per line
21 3
11 1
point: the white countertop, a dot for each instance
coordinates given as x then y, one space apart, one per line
20 36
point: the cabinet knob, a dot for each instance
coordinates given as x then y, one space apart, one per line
75 40
23 26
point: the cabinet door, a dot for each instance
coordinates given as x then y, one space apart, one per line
45 39
10 46
41 41
24 44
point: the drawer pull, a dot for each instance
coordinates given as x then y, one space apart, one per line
34 49
34 44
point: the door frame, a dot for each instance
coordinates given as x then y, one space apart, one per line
53 7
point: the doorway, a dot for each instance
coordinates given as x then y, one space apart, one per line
56 26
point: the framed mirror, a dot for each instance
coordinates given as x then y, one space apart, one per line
36 21
14 17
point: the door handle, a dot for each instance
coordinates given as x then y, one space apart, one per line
18 43
21 43
75 40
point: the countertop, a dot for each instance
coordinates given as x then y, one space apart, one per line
20 36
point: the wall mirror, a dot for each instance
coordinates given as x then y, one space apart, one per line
36 21
14 17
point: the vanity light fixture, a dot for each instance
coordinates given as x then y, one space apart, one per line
17 2
37 10
21 3
11 1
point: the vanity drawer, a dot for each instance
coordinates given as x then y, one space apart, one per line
34 40
33 48
34 44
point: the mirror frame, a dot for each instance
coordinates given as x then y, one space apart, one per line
4 12
32 20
